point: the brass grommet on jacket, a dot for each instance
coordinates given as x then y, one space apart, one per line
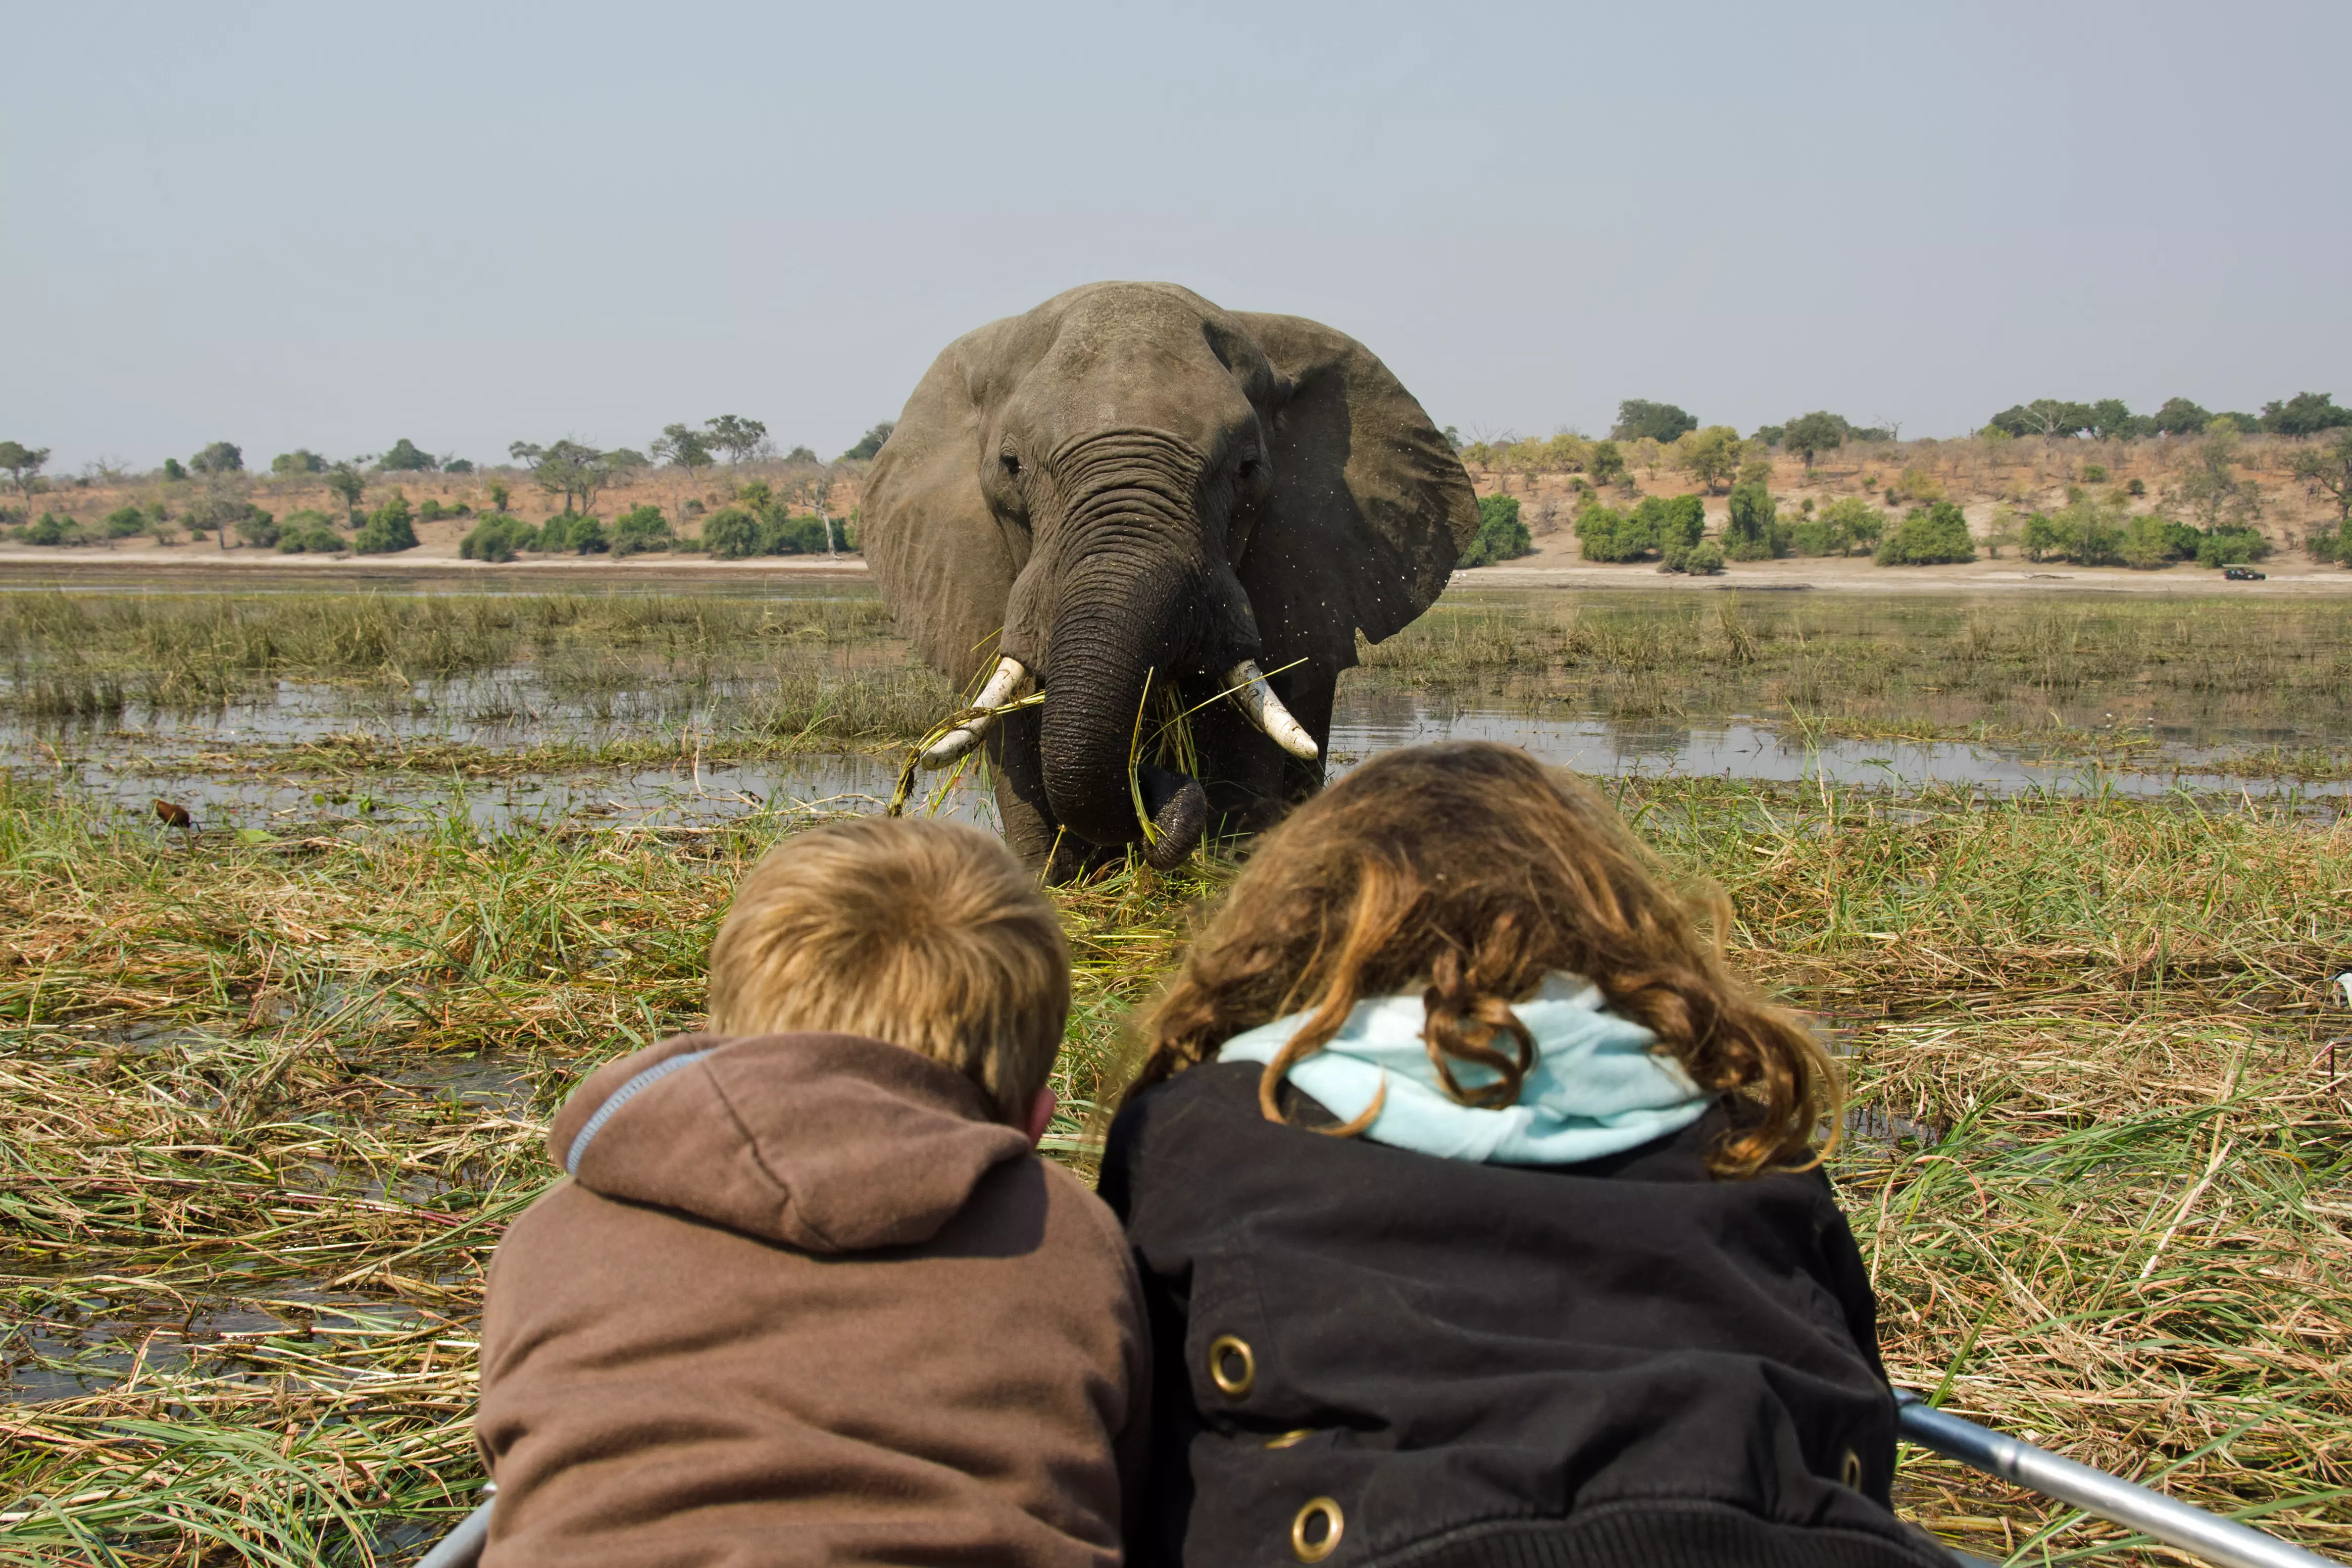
1232 1385
1850 1473
1323 1545
1291 1439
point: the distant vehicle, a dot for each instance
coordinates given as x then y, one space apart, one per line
2244 574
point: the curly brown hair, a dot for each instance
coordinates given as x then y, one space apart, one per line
1469 870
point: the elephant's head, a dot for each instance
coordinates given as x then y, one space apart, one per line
1128 484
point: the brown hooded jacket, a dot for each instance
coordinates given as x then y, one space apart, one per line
805 1301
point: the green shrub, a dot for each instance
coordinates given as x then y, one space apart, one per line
315 537
1933 535
433 511
1704 559
1501 535
731 533
1605 462
391 527
497 538
570 533
2094 473
1606 534
1752 528
1657 525
641 529
256 527
125 522
53 529
2231 547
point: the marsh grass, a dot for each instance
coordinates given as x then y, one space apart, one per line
2010 666
174 652
267 1107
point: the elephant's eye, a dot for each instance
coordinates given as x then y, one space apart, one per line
1249 467
1012 464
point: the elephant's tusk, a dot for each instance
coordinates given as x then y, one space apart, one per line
1001 684
1254 697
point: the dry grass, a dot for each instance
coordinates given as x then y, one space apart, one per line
267 1107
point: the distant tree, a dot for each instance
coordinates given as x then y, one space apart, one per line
1771 435
1661 422
2327 470
870 442
1711 457
2210 489
812 486
1605 461
501 493
344 481
23 465
1752 528
404 458
1452 438
2305 414
575 470
456 466
683 446
2112 421
1818 432
172 469
2178 416
125 522
220 457
799 454
735 435
2045 416
301 460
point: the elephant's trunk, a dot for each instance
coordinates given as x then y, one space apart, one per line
1108 648
1130 610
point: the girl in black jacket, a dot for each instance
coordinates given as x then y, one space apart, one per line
1477 1213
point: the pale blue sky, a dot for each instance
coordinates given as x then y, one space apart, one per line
300 224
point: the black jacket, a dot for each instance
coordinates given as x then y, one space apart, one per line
1621 1361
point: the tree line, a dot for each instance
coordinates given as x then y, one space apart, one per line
573 473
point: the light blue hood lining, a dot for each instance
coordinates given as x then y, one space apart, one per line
1597 1087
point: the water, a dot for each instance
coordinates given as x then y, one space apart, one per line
1748 748
242 768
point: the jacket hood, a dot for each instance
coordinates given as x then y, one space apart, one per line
829 1142
1600 1086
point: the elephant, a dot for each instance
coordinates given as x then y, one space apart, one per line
1143 505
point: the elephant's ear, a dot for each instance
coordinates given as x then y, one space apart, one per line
1369 506
944 566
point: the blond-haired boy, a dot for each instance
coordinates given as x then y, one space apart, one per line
809 1296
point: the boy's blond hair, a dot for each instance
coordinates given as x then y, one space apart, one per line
927 935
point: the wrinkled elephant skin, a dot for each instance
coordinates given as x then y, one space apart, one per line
1130 490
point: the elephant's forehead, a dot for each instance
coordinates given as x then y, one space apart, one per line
1122 371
